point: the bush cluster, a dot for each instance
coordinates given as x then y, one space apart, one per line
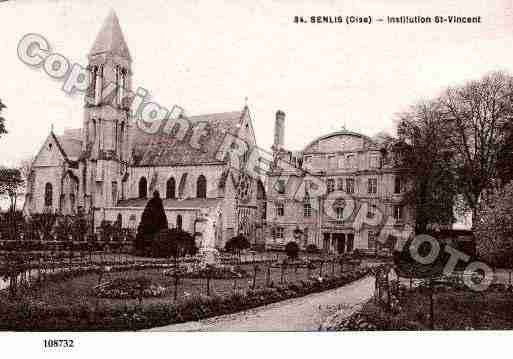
218 272
39 316
124 288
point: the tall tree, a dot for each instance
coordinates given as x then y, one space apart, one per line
3 129
494 227
153 220
479 115
11 183
427 161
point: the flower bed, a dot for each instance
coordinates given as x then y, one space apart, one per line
65 273
130 288
33 316
212 272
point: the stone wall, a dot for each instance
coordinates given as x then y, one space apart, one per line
212 174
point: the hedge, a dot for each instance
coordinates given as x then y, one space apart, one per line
42 317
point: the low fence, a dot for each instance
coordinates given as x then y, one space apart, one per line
262 270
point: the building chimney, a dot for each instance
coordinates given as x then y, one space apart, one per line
279 131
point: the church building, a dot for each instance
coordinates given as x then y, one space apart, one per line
109 168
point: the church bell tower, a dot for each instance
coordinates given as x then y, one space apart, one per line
106 131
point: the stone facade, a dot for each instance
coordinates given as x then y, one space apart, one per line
362 193
112 165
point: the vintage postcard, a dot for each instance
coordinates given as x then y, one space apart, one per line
268 166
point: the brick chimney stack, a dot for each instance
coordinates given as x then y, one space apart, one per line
279 131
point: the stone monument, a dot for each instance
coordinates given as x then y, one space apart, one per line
206 226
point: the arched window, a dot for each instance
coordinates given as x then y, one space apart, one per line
48 195
201 187
171 188
143 188
181 186
72 202
119 221
179 221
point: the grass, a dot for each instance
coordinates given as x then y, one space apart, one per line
79 290
454 309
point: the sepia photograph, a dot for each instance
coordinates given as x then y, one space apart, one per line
270 166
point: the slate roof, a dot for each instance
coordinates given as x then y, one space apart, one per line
163 149
342 132
110 39
173 203
72 147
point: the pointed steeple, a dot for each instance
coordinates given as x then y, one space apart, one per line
110 38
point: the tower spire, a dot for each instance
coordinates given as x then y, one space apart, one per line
110 39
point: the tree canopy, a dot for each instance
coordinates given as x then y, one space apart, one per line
3 129
428 165
460 144
11 183
494 227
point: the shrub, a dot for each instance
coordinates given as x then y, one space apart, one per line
218 272
172 243
130 288
292 250
312 248
153 220
237 244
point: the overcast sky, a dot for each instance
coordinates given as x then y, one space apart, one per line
207 56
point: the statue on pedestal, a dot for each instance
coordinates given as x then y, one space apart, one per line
206 226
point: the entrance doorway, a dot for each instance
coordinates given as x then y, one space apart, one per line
340 240
326 242
350 242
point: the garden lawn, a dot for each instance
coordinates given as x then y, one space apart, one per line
79 290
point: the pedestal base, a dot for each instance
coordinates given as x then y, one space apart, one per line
209 256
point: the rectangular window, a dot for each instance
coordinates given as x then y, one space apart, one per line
114 193
307 209
340 213
398 213
280 186
374 161
278 233
372 240
332 161
350 161
371 213
350 185
372 186
280 210
340 184
397 185
330 183
306 237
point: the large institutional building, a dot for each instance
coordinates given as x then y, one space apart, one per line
110 167
361 198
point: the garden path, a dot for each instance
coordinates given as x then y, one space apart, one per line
299 314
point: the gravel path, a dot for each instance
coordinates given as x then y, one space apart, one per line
299 314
